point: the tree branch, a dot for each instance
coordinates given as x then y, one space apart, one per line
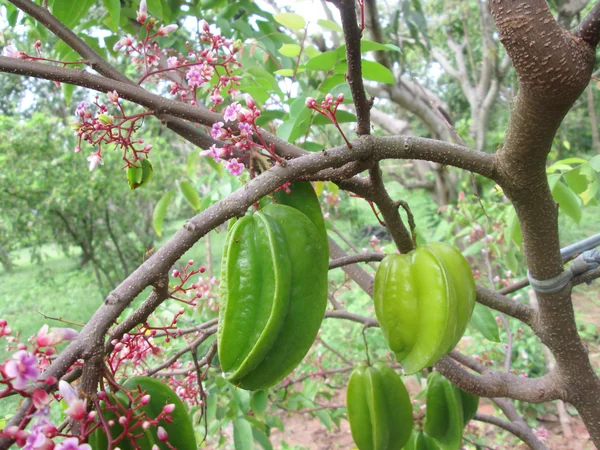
352 36
589 28
353 259
501 384
513 428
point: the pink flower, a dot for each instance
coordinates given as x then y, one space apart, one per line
40 399
126 41
216 98
197 76
76 406
21 369
142 12
11 51
35 440
245 129
213 152
47 337
231 112
72 444
81 110
234 167
217 130
165 31
113 97
95 159
172 62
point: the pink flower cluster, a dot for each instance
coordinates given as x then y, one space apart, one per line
98 128
328 108
239 143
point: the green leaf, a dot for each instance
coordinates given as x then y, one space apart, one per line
67 90
595 163
160 211
311 51
374 71
290 20
262 439
191 194
69 12
329 25
242 435
193 160
114 13
341 115
324 61
576 181
485 322
291 50
589 195
258 403
242 398
513 229
325 418
289 72
568 201
155 8
331 82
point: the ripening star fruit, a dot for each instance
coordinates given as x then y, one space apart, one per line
273 290
423 301
379 408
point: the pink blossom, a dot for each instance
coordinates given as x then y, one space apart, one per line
142 12
213 152
216 98
81 110
165 31
35 440
234 167
47 337
113 97
126 41
217 130
76 406
245 129
95 159
72 444
172 62
40 399
231 112
197 76
11 51
21 369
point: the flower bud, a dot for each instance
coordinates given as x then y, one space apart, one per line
168 409
162 434
310 102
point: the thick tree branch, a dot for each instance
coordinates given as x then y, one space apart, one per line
523 433
352 37
589 28
501 384
501 303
